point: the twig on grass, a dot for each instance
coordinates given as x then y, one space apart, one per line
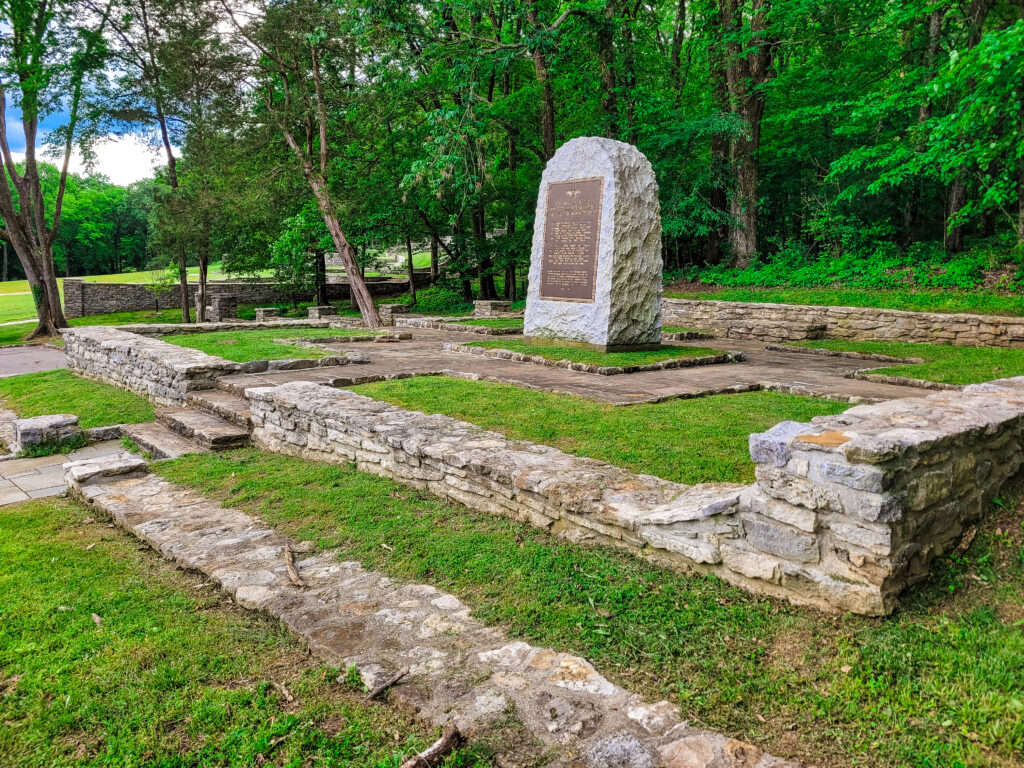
436 752
383 688
289 563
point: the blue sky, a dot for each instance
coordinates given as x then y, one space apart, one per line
121 159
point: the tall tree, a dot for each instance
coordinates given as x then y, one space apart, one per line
49 52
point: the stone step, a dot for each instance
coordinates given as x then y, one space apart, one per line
222 403
158 440
204 428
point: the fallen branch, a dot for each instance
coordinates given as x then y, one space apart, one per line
436 752
289 563
381 689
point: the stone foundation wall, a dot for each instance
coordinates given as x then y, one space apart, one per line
82 299
739 320
163 372
846 512
866 500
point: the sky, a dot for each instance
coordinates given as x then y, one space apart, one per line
122 159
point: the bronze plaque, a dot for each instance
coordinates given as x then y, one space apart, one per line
572 234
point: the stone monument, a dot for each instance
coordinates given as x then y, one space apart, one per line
596 267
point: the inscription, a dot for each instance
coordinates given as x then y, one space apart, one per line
572 233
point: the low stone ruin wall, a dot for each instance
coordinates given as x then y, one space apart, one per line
790 322
82 299
163 372
866 500
846 512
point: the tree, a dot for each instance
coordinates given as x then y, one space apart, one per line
50 53
298 57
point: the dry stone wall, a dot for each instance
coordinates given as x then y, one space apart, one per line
83 299
846 512
163 372
790 322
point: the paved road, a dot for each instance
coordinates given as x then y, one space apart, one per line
16 360
805 374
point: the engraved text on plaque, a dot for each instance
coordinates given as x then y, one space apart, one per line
572 232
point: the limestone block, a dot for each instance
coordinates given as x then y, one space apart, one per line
780 539
44 429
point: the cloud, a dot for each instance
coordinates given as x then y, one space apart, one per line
122 159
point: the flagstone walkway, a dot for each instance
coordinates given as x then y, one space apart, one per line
762 369
459 671
24 479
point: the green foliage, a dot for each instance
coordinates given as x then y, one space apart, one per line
53 447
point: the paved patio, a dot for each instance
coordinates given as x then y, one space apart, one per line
786 371
24 479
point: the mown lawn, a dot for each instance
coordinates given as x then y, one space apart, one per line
244 346
96 404
495 322
979 302
111 657
17 334
689 441
946 364
593 357
937 684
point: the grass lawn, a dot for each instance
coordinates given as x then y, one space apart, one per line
96 404
109 656
689 441
244 346
17 334
593 357
974 302
495 322
947 364
938 684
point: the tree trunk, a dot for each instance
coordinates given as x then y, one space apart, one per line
320 279
410 270
953 239
433 257
748 68
953 236
606 58
718 196
540 66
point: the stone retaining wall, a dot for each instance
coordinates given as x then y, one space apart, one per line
163 372
82 298
772 322
866 500
846 512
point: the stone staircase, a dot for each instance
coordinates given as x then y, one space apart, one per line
213 420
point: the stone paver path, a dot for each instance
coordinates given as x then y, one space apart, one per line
783 371
29 359
459 670
24 479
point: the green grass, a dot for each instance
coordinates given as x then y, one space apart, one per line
17 307
689 441
938 684
973 302
593 357
244 346
18 334
946 364
96 404
495 322
166 674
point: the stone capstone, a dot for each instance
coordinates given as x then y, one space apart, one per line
626 307
45 429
